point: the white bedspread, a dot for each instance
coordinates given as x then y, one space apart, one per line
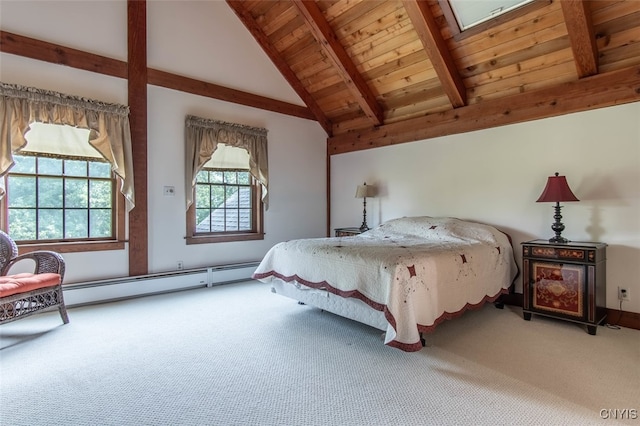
419 271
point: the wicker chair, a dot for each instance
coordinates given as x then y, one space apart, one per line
25 294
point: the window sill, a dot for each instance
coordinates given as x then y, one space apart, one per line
208 239
74 247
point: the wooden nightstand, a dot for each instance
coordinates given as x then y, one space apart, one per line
347 232
565 281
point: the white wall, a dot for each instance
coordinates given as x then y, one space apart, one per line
496 176
202 40
297 180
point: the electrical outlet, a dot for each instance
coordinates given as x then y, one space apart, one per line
623 294
180 265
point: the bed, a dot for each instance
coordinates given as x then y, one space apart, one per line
403 277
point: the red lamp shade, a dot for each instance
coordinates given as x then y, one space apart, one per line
557 189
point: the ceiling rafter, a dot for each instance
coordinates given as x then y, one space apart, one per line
262 39
437 50
602 90
326 37
577 16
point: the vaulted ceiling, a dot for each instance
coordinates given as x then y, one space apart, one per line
382 72
378 72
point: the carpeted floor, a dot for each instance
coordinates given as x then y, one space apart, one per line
240 355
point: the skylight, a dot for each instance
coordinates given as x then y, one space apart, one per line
473 12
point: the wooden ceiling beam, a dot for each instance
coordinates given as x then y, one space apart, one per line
598 91
437 50
44 51
328 40
61 55
262 39
577 16
210 90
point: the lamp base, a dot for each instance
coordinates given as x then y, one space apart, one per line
559 240
558 227
364 226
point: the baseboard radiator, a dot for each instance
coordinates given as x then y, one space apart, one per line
91 292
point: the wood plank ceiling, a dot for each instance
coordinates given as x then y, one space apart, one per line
377 72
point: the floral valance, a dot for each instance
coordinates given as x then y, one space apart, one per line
108 125
201 140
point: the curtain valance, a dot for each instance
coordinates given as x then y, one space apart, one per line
201 140
108 125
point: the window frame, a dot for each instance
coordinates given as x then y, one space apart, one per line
117 242
257 218
459 34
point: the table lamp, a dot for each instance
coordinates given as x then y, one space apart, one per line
557 190
364 191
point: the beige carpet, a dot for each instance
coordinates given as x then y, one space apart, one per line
240 355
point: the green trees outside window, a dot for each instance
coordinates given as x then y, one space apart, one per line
60 199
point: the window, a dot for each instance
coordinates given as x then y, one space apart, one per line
56 196
227 181
78 133
59 199
223 201
227 203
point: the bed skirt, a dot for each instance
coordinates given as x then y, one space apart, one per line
350 308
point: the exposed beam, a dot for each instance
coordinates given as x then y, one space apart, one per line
291 77
577 17
197 87
437 50
137 84
61 55
598 91
328 40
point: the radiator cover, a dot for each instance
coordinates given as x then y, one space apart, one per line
90 292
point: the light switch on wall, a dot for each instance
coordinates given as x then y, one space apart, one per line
169 191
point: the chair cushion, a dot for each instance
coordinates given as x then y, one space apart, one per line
25 282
